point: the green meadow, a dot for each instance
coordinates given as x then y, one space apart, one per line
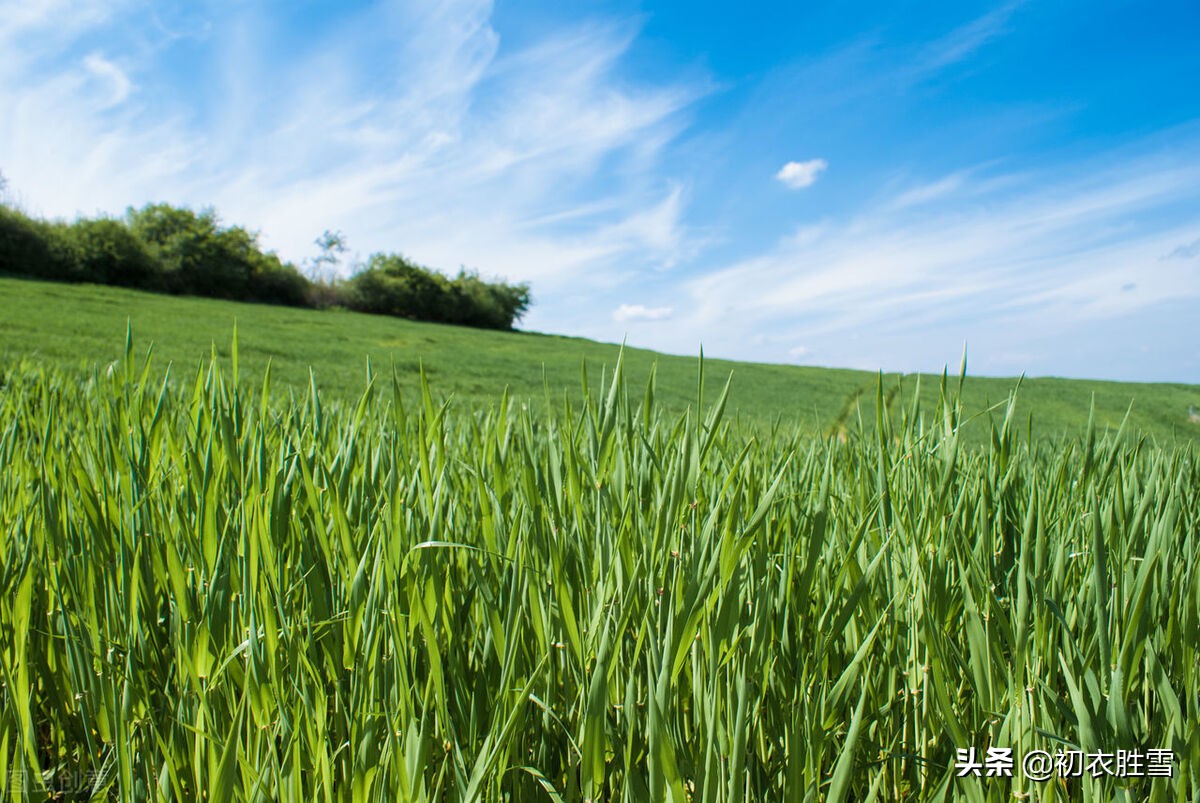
516 579
83 326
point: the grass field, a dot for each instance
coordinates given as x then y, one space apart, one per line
215 593
234 584
81 326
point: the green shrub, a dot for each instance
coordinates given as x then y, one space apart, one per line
172 249
491 305
392 285
274 282
199 257
37 248
110 253
187 244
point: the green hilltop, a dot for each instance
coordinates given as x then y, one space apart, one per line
83 326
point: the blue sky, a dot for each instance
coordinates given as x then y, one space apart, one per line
869 186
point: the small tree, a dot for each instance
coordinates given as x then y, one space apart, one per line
324 267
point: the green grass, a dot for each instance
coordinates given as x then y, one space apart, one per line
217 590
83 325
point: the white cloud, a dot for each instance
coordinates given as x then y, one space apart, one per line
1031 265
965 40
119 85
406 126
414 127
932 191
627 313
797 175
57 20
796 352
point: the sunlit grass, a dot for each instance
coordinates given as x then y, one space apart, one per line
212 593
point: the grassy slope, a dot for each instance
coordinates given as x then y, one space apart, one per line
84 326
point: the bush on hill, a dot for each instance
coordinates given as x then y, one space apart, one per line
110 253
37 248
198 257
164 248
392 285
494 305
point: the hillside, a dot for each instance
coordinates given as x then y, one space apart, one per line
81 326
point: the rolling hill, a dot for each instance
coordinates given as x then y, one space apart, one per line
83 326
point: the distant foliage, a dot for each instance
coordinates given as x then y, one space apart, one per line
199 257
37 248
392 285
110 253
495 306
169 249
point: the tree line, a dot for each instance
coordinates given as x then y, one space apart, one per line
169 249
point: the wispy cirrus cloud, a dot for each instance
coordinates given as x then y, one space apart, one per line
931 191
1028 265
963 41
113 77
407 126
420 127
629 313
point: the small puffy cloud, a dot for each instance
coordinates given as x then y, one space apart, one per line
627 313
796 352
798 175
